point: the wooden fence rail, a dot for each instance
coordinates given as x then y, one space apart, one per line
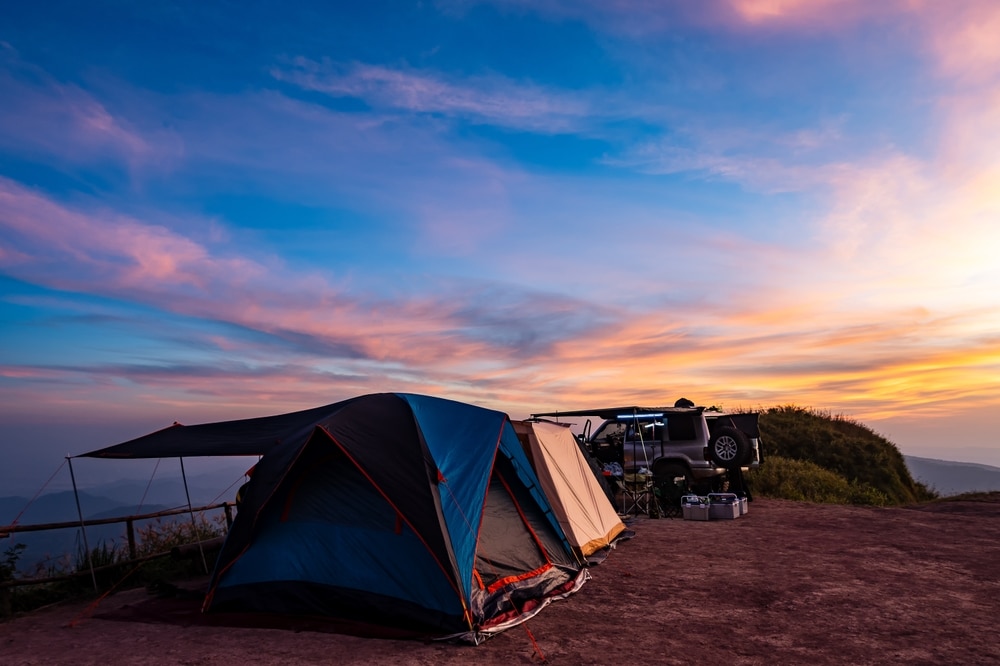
8 530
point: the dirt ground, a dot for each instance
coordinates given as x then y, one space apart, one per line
788 583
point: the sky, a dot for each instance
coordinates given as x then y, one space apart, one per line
218 210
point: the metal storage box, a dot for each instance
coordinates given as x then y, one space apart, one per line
694 508
723 506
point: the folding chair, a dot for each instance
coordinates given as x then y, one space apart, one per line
637 493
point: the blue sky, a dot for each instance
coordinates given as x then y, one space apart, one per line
219 210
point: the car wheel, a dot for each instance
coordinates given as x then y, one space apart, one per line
729 448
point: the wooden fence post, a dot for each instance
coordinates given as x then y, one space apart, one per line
130 531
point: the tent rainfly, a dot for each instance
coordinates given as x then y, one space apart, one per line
398 510
581 505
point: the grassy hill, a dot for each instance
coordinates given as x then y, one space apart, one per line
814 456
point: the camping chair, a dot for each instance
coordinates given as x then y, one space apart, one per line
637 494
667 493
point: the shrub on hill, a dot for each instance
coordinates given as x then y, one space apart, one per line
806 481
865 460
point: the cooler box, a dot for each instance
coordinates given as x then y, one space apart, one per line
723 506
744 506
694 508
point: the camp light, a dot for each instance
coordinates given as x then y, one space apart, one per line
639 416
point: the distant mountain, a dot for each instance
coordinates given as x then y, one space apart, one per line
168 488
129 495
953 478
54 507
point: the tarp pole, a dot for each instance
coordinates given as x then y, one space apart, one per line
83 528
194 523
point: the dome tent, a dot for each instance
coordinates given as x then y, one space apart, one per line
399 510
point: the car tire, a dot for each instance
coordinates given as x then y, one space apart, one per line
729 448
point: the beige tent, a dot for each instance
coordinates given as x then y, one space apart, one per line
587 517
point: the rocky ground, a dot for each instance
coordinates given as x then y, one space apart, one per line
789 583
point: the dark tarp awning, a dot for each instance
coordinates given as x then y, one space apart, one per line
615 412
244 437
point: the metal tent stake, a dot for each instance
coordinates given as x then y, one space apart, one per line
194 524
83 528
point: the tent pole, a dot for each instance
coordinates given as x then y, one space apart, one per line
83 528
194 524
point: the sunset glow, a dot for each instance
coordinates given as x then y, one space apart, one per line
524 205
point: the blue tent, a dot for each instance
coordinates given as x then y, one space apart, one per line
399 510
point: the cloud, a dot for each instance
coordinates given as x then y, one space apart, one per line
757 172
137 255
647 19
493 100
126 258
963 40
910 231
42 116
444 198
876 301
959 36
303 342
799 13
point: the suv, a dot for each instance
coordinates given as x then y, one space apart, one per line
706 446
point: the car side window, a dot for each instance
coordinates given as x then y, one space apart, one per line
611 432
680 427
648 431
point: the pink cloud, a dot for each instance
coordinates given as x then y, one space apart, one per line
118 256
136 253
827 13
962 37
43 115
